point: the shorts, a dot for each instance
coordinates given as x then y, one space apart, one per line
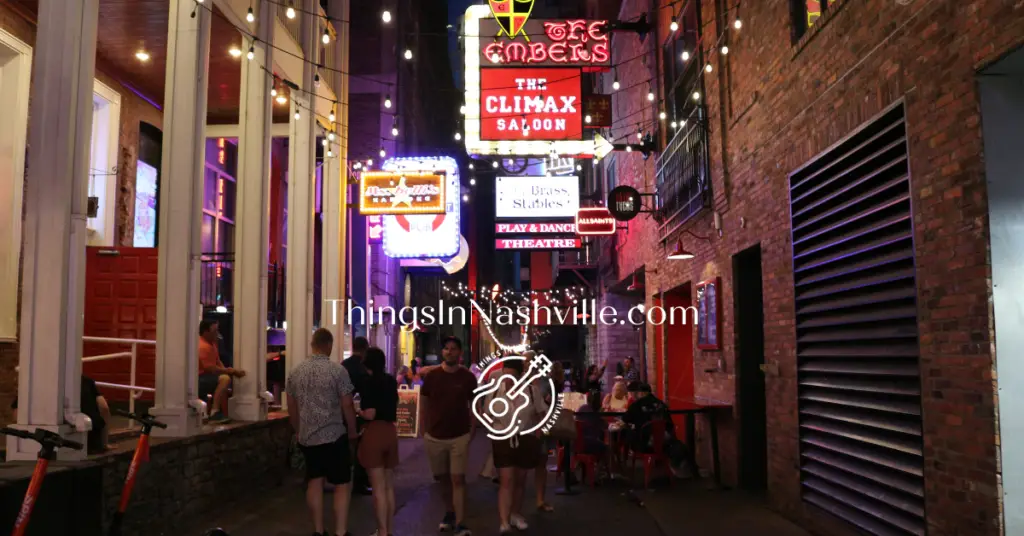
521 452
378 445
208 384
329 460
447 456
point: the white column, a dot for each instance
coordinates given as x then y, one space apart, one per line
301 168
50 365
252 229
333 314
181 203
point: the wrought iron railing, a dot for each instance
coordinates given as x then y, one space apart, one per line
684 177
216 287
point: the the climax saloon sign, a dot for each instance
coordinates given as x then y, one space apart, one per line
542 104
383 192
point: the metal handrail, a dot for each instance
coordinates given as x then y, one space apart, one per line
134 391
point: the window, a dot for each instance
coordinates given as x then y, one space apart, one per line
106 127
218 233
682 74
806 13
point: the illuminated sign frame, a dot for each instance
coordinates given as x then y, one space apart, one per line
538 243
382 192
543 193
595 221
597 148
530 228
399 242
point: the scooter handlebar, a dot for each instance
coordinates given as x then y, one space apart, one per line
143 419
43 437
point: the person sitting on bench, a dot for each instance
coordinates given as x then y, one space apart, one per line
213 375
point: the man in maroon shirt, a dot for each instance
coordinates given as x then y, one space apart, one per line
445 398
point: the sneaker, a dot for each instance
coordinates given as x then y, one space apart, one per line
219 417
505 529
518 521
448 523
462 530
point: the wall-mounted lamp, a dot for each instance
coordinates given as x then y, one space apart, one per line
681 253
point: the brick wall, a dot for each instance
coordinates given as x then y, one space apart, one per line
772 106
134 109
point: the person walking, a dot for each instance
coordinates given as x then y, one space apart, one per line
357 373
445 397
378 445
322 414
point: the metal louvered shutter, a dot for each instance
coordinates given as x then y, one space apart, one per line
856 320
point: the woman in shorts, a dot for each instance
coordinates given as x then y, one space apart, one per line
378 448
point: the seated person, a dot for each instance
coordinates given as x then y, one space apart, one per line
213 375
93 405
640 415
593 426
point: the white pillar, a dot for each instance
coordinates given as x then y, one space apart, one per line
251 232
50 365
181 203
301 169
333 313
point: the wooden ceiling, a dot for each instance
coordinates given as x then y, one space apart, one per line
128 26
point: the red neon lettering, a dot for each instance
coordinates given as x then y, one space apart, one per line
601 53
537 53
596 31
516 52
577 30
556 31
557 53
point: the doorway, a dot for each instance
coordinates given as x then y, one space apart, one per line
1002 111
679 354
750 390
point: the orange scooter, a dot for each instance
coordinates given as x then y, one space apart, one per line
141 456
49 442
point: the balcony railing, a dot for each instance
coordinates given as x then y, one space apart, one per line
217 286
292 25
684 185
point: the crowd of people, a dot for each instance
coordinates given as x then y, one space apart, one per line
342 443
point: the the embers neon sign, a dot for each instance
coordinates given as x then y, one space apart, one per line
564 43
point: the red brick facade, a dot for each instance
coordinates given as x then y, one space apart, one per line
772 106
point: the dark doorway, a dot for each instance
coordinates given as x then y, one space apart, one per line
753 433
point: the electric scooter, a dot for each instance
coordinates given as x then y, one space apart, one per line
141 456
49 442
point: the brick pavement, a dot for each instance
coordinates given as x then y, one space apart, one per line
685 509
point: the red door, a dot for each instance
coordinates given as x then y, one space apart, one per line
679 352
120 302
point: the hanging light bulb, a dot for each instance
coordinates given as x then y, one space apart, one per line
472 182
639 134
331 117
249 16
369 161
708 68
235 52
281 99
408 54
252 53
494 164
738 24
674 26
387 101
470 165
330 135
662 116
725 50
696 95
273 92
675 125
316 79
615 84
394 128
465 198
686 55
324 142
650 95
383 153
290 13
297 115
329 153
579 167
385 16
629 148
587 119
326 38
458 136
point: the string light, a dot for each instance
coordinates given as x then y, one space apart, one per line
725 50
330 135
674 26
252 52
383 153
465 198
494 164
615 81
324 142
472 182
297 115
470 165
462 109
250 17
316 79
394 128
675 125
408 54
650 93
587 119
331 117
385 16
708 68
686 55
662 116
329 153
387 102
290 13
696 95
629 148
738 24
458 136
639 134
235 52
326 37
281 99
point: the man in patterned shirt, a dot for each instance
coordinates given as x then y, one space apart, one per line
321 412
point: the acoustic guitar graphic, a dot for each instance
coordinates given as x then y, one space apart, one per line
512 402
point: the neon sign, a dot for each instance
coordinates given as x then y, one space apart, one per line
534 228
381 192
542 104
511 15
374 229
595 221
570 43
425 235
537 197
538 243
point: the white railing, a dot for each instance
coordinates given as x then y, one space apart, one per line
134 391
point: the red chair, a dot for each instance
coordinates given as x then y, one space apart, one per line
589 461
657 457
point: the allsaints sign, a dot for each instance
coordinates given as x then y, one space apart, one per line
535 228
595 221
537 197
402 193
537 243
542 104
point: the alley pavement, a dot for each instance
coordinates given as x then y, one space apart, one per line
687 508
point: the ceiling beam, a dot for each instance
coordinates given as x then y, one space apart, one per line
277 130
